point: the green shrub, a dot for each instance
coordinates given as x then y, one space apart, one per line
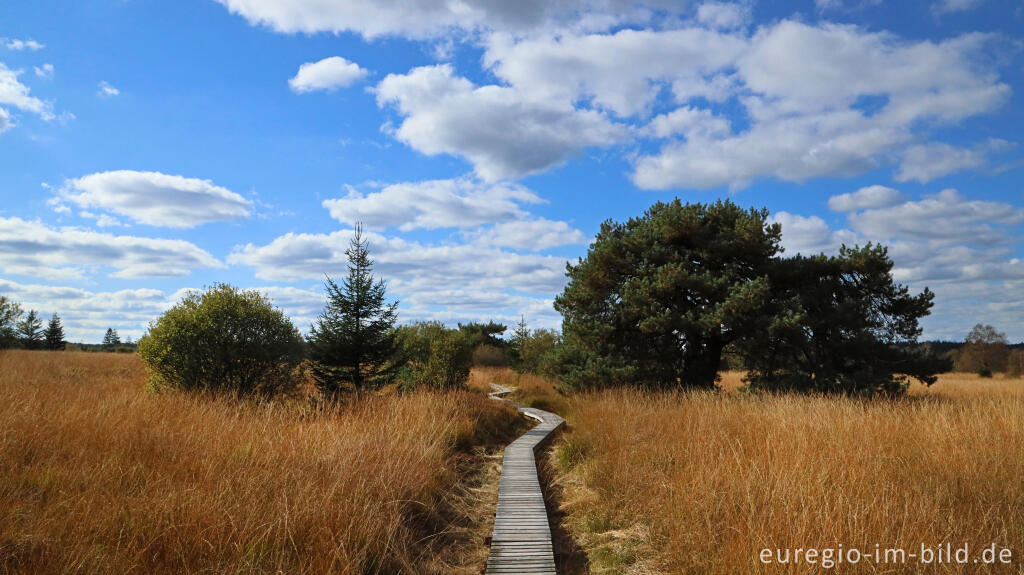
223 339
437 356
984 372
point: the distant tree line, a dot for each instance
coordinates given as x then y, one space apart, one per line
25 330
22 330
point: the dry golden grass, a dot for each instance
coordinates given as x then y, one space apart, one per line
702 482
99 476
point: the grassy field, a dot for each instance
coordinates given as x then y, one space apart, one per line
99 476
701 483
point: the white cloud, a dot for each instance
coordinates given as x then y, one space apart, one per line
105 90
45 71
446 282
411 266
807 105
689 122
963 249
503 134
14 93
86 315
866 198
946 217
432 204
5 121
949 6
810 235
327 74
15 44
533 235
926 162
623 72
35 249
156 199
434 18
723 15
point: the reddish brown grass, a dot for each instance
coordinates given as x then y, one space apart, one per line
99 476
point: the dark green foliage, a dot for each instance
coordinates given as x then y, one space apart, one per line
10 316
484 333
839 324
352 343
30 331
437 357
53 335
224 340
537 351
658 298
111 339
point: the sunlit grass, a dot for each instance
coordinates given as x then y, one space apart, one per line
701 482
99 476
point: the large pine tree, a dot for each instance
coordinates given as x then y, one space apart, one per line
352 343
53 335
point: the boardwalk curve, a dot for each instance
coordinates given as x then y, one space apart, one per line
521 542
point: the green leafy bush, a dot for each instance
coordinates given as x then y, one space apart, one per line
437 356
225 340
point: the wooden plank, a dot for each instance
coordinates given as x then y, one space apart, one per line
521 541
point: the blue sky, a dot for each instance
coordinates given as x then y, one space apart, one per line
151 147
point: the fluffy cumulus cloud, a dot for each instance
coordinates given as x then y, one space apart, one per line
503 133
723 15
15 94
447 281
832 100
327 74
946 217
35 249
432 18
804 100
926 162
809 235
534 235
156 199
86 315
413 265
963 249
432 204
866 198
623 72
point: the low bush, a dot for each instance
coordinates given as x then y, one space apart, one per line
223 339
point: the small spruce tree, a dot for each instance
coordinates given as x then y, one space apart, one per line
30 331
111 339
53 335
352 343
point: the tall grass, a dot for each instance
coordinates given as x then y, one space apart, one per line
702 482
99 476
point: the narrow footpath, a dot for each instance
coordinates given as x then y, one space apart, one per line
521 542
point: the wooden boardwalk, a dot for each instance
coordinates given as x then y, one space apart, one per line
521 542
